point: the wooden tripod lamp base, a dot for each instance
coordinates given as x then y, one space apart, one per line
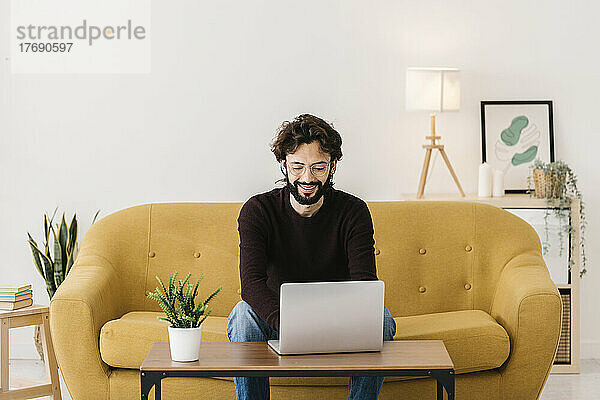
429 149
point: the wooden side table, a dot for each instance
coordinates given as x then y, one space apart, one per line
32 315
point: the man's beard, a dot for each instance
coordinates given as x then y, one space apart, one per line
307 201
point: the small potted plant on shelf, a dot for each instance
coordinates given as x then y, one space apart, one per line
557 183
185 317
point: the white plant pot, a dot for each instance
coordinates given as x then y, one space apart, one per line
185 343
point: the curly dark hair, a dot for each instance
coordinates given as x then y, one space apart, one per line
306 128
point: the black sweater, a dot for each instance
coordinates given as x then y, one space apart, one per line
277 245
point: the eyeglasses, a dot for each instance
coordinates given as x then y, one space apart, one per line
319 170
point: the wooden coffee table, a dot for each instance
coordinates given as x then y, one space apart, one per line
397 358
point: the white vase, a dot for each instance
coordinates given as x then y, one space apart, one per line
498 184
185 343
484 188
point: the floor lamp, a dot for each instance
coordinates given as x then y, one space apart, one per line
435 90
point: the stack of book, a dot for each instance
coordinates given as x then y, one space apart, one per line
15 297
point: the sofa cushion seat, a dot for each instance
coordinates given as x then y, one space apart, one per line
474 340
125 342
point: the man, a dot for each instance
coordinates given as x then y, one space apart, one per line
305 231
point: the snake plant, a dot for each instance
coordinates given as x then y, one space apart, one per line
55 260
178 302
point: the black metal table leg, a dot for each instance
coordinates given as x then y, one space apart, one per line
157 389
445 379
149 379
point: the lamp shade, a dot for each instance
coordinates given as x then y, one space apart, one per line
433 89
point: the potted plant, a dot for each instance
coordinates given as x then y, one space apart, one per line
54 261
186 318
557 183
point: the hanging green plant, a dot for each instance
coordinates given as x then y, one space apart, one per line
557 183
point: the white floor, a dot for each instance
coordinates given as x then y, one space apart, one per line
559 387
574 386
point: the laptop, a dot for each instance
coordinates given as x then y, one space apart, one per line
330 317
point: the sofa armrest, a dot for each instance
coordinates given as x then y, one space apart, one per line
84 302
528 305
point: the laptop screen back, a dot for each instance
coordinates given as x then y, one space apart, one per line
322 317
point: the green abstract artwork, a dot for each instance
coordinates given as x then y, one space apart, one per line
525 157
511 135
518 143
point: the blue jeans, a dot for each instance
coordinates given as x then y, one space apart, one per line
244 325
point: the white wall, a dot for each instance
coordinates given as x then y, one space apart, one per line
225 74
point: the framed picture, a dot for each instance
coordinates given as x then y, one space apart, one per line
513 135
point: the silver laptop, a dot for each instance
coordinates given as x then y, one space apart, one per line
330 317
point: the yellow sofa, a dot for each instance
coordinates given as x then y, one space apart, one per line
468 273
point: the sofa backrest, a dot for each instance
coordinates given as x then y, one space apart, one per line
438 256
426 252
